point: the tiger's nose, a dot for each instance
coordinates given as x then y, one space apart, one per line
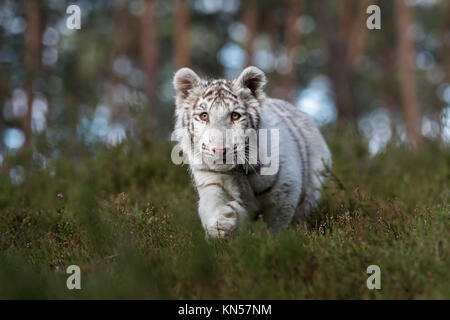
219 151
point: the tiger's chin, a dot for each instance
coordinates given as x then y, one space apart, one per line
217 165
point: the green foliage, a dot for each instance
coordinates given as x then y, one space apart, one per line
127 216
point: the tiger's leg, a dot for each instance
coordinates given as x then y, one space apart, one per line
280 200
221 205
280 208
320 160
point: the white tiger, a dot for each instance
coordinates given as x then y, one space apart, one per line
234 192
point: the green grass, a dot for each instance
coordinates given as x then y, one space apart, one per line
127 216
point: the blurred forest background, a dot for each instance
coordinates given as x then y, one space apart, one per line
111 80
85 170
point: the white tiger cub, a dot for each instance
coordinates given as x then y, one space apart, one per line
233 191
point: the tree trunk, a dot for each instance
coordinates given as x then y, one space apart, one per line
4 92
32 60
443 61
405 56
356 37
119 111
338 66
250 19
149 59
181 39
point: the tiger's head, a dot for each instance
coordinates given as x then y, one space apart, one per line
213 118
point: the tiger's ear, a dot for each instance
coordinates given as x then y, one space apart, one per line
253 79
184 80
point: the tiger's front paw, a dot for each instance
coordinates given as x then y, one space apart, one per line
224 223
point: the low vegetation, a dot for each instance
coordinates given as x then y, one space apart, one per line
127 216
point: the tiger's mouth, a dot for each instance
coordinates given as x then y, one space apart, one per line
218 163
221 162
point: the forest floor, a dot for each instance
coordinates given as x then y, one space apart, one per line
127 217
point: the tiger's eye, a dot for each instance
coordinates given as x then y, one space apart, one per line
204 116
235 116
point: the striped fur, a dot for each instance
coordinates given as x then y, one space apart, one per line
228 194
